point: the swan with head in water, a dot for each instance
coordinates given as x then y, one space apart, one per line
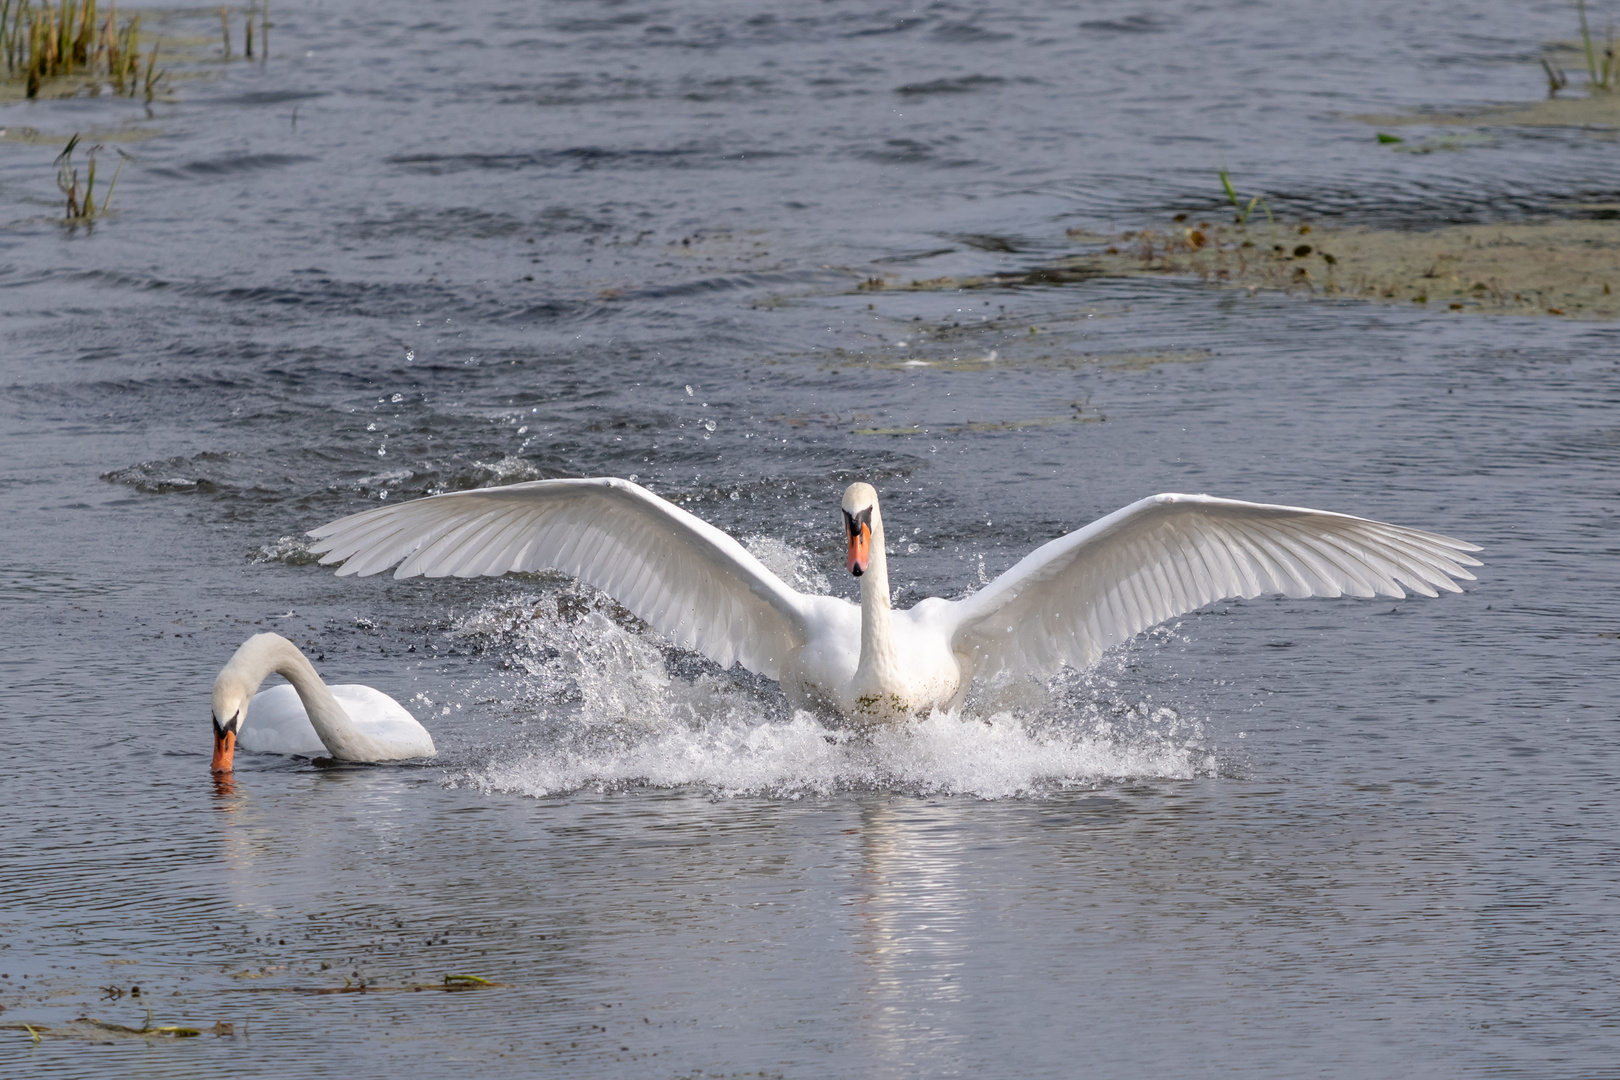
1065 603
305 717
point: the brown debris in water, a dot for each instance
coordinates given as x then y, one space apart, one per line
452 984
89 1029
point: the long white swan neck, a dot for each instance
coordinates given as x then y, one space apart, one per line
265 654
877 620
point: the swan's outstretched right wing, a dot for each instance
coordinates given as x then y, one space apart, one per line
688 579
1166 555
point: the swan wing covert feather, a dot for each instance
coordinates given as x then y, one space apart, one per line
691 581
1166 555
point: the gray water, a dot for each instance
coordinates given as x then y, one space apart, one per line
426 246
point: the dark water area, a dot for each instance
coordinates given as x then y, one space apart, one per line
428 246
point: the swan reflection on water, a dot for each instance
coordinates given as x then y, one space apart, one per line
910 913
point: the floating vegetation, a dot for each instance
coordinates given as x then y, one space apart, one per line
90 1029
1542 268
81 206
1565 268
466 982
452 984
70 44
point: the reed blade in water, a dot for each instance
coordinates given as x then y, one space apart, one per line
1600 74
67 178
1243 212
82 208
43 43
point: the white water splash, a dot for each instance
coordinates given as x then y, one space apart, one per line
793 565
292 550
598 703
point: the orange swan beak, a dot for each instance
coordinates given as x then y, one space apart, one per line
224 749
860 550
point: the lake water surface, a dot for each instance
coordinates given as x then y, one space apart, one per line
432 245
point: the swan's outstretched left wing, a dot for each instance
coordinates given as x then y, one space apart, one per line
684 576
1167 555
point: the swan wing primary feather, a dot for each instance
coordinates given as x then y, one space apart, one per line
688 579
1166 555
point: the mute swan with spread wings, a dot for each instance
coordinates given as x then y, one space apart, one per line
1065 603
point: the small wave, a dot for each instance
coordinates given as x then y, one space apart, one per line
600 704
1130 24
292 550
962 84
267 97
697 155
508 470
166 477
231 164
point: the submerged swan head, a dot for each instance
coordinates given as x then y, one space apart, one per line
860 504
232 692
349 723
237 682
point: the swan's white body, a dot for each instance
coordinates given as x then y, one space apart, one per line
306 716
1065 603
278 723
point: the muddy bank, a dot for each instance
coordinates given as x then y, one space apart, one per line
1558 268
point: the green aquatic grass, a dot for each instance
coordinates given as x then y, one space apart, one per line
1602 73
40 43
465 982
1243 212
81 205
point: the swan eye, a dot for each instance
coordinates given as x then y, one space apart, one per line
853 522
